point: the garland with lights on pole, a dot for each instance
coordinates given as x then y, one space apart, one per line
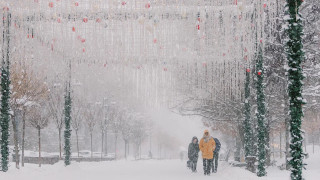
67 119
261 111
295 55
5 92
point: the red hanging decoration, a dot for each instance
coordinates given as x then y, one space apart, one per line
264 5
83 40
198 27
259 73
248 70
123 3
260 40
28 36
245 50
147 5
85 20
73 29
83 50
36 1
199 19
98 20
76 4
59 20
236 2
154 40
165 69
51 4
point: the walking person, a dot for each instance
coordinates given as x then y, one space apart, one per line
216 155
207 145
193 154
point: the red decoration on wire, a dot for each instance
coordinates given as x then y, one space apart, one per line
98 20
123 3
236 2
85 20
199 19
259 73
248 70
260 40
51 4
76 4
83 40
73 29
147 5
264 5
154 40
198 27
59 20
165 69
83 50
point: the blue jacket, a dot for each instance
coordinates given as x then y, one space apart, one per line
218 145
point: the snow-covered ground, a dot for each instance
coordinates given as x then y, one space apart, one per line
147 170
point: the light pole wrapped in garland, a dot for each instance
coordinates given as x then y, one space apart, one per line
5 93
295 57
67 131
261 111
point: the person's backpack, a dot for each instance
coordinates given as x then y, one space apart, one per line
218 145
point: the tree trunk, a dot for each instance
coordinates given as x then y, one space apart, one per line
115 147
39 160
313 142
60 146
125 149
91 145
106 146
15 139
23 136
77 142
102 135
280 144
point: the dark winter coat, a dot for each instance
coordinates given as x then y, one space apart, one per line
193 150
218 145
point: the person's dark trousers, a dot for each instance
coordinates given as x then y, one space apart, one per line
194 166
207 165
215 162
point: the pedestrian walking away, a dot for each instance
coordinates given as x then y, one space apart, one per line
216 155
207 145
193 154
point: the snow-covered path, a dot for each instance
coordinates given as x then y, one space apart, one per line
146 170
125 170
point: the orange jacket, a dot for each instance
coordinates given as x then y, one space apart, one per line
207 148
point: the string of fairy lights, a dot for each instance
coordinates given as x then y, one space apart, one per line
150 44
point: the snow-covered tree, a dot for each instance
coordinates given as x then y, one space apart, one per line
39 119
